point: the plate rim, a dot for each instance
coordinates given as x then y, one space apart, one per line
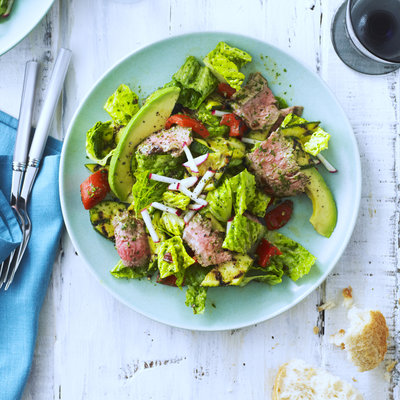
20 38
345 239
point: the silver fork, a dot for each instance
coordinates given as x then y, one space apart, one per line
21 152
35 154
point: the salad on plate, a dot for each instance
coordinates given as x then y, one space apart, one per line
193 185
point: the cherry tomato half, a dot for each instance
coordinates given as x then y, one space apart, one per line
94 188
265 251
279 216
187 122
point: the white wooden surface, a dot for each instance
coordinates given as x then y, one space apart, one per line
92 347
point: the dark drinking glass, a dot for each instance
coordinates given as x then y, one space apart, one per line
366 35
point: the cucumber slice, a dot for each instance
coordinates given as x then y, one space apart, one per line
300 130
101 216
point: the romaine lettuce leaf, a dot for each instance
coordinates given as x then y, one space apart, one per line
101 141
196 83
164 164
225 62
272 274
120 271
243 234
312 144
295 260
317 142
145 191
122 105
171 224
258 206
174 251
220 202
176 200
212 122
244 188
195 294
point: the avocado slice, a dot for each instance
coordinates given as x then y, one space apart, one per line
149 119
324 216
229 272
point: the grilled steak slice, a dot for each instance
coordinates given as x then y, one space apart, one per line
169 141
131 240
275 166
205 242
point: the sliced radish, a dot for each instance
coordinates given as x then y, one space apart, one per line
326 163
218 113
203 181
191 162
165 208
189 215
149 225
191 195
196 206
174 186
162 178
189 182
198 160
250 141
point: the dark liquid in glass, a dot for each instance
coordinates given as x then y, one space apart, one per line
377 26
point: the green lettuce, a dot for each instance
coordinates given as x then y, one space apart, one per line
258 206
244 188
312 144
177 200
220 202
295 260
101 140
163 164
195 294
225 62
212 122
173 249
145 191
120 271
243 234
171 224
3 6
196 83
122 105
272 274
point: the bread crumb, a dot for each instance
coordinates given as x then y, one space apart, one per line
316 330
348 297
337 339
390 365
326 306
354 379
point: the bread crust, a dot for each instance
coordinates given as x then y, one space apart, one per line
278 382
367 350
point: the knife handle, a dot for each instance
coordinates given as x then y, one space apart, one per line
25 117
49 106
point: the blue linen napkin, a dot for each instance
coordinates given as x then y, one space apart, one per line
21 303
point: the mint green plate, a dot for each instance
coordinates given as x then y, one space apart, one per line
227 307
25 15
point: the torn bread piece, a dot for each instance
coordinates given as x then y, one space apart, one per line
296 380
365 340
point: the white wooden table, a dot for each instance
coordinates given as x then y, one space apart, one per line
90 346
